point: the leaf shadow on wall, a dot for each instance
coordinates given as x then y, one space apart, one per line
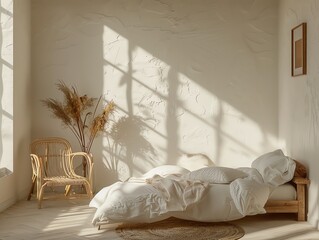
127 143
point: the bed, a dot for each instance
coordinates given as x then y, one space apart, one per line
274 183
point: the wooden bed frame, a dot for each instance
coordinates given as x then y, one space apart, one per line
298 205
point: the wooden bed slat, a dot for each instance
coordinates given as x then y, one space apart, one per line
282 206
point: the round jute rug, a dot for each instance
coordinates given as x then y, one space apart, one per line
177 229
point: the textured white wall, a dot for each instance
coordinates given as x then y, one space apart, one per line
299 96
191 76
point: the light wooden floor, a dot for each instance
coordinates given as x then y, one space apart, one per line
71 219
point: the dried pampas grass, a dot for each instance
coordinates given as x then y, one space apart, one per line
75 112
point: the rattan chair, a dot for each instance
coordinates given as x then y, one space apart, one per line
52 163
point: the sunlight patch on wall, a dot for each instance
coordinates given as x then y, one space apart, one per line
163 113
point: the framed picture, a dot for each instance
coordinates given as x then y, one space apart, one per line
299 50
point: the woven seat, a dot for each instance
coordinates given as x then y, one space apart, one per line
61 181
52 163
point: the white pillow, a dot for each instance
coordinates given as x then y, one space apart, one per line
216 174
275 167
249 196
165 170
195 161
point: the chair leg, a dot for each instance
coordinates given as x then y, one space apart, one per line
40 198
88 190
34 179
67 190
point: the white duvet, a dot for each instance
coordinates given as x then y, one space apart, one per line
183 196
209 194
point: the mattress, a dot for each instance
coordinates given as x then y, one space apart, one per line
284 192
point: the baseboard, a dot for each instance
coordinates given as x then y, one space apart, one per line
4 172
6 204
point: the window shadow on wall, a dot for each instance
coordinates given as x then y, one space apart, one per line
161 61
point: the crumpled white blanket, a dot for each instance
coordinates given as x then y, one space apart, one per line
178 193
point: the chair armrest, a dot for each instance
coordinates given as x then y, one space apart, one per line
37 166
89 162
38 171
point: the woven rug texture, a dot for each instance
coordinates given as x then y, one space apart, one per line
177 229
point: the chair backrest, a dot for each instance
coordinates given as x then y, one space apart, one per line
54 153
